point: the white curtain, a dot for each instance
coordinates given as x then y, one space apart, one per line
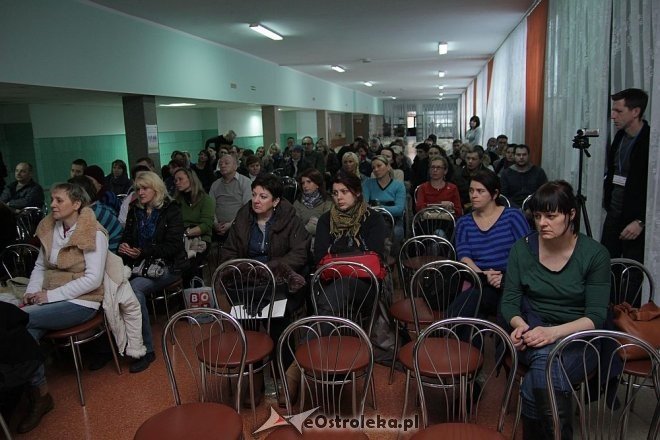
469 108
482 100
576 94
506 104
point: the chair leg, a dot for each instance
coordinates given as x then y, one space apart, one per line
405 395
301 391
5 428
113 347
251 383
396 350
518 410
372 385
354 394
166 300
75 351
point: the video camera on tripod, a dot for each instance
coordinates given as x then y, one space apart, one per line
581 139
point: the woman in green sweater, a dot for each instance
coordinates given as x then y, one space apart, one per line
197 210
557 283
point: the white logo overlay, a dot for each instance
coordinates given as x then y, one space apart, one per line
276 419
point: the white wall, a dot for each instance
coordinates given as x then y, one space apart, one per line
65 120
306 124
243 121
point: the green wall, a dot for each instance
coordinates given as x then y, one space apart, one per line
284 136
17 145
54 155
191 141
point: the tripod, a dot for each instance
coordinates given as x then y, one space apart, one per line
581 142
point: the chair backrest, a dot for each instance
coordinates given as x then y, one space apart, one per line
290 185
18 260
26 223
248 287
415 195
419 250
329 350
389 221
435 287
448 334
503 201
597 381
630 281
352 293
432 220
523 206
184 353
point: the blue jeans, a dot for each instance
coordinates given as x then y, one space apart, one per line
54 316
145 286
573 360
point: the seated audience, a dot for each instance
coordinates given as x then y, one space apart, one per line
391 156
483 241
153 234
168 172
131 195
66 285
365 162
197 212
103 193
276 156
437 191
296 164
349 165
420 166
473 164
557 284
522 178
118 180
384 191
104 215
204 169
316 159
506 161
230 192
266 160
24 192
78 167
348 227
313 201
331 161
253 165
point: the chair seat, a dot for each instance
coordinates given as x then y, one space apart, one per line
340 354
192 420
224 350
87 326
442 357
401 310
459 431
291 433
641 367
414 263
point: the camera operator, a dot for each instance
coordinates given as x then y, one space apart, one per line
626 177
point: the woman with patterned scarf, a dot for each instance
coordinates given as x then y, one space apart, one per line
313 201
348 227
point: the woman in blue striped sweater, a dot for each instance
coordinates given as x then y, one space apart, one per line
483 241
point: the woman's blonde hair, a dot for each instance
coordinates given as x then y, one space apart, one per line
149 179
385 161
350 154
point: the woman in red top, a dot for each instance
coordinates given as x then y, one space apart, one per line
437 190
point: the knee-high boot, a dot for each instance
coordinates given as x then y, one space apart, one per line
564 411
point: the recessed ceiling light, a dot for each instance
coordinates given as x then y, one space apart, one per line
441 94
441 73
393 97
368 83
441 87
266 32
443 47
440 99
178 104
339 69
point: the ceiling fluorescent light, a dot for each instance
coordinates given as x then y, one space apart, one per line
441 94
393 97
338 69
441 73
178 104
266 32
441 87
440 98
442 48
368 83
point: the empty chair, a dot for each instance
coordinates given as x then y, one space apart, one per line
332 355
198 411
592 388
248 287
415 253
434 220
433 290
630 279
18 260
448 386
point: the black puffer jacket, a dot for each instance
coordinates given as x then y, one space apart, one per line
167 242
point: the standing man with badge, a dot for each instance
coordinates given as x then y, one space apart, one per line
626 176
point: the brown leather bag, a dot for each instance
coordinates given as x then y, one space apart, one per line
643 323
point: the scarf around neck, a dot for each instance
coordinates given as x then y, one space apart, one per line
311 200
347 222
